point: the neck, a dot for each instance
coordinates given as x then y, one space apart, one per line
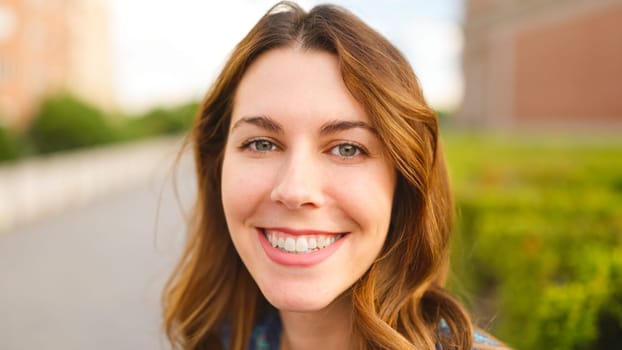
326 329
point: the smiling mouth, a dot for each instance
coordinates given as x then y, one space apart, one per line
299 244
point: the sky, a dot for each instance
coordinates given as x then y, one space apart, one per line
168 52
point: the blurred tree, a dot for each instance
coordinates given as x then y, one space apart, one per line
162 121
64 122
9 145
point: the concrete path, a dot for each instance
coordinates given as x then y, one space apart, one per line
91 278
37 187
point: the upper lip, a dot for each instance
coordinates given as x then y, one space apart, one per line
301 232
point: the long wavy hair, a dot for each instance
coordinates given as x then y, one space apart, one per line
400 301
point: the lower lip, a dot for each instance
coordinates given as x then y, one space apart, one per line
293 259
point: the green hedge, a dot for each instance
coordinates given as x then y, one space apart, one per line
161 121
10 148
65 122
539 243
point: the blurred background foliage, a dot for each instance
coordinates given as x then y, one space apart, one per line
538 249
64 122
10 147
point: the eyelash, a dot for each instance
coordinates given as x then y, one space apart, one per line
251 145
359 150
248 145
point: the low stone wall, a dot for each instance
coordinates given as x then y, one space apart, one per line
38 187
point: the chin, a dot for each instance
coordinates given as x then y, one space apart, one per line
298 303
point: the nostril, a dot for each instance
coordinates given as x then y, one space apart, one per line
298 184
296 198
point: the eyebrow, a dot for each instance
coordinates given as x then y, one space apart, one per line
330 127
260 121
343 125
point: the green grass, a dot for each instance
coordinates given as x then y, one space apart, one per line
538 250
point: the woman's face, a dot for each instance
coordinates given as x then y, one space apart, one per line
306 185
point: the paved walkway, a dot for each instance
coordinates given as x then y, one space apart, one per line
91 278
40 186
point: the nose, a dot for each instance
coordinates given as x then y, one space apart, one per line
299 183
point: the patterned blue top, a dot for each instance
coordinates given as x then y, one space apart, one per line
267 334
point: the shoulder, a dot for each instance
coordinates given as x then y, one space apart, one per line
484 341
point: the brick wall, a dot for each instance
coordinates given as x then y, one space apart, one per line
543 62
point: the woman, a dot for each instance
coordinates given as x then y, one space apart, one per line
324 211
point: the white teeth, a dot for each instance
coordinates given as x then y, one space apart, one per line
321 242
290 244
299 244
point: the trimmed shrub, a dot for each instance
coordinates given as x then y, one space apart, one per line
163 121
65 122
539 238
9 146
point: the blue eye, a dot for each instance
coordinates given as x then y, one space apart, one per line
260 145
346 150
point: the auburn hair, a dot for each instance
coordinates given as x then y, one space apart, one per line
400 301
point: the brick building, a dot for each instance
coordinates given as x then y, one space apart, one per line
49 45
543 63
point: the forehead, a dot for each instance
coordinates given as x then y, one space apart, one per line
296 82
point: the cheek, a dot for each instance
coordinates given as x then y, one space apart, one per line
366 195
244 186
235 183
